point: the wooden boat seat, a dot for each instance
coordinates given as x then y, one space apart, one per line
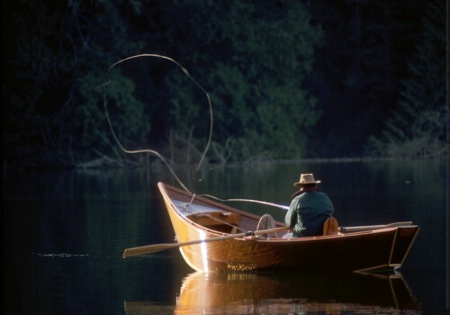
226 222
331 226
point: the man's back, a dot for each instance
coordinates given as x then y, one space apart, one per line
312 209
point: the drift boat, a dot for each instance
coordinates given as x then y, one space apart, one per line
214 237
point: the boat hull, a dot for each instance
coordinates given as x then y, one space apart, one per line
382 249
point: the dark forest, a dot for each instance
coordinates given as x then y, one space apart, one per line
287 80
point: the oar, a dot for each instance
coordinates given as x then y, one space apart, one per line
372 227
149 249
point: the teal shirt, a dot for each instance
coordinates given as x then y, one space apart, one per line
307 213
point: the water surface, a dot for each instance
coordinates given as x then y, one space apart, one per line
64 234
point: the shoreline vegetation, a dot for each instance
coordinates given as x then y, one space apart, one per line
109 163
145 160
189 157
284 82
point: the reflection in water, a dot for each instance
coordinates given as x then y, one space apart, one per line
64 234
288 293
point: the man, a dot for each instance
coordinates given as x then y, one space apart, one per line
309 208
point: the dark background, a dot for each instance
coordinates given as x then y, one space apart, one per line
288 79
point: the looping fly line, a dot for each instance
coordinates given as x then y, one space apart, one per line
157 154
153 151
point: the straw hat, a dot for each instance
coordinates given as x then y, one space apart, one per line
306 179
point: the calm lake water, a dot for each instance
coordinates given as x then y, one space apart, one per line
64 234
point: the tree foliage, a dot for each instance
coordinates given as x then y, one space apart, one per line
256 60
359 69
55 57
417 127
251 57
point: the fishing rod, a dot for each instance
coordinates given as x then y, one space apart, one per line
283 207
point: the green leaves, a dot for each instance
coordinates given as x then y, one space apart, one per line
417 126
255 58
251 57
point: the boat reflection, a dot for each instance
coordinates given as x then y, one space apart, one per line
298 293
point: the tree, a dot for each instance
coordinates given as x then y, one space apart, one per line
253 57
417 127
55 58
359 69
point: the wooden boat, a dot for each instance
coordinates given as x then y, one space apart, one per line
287 293
211 237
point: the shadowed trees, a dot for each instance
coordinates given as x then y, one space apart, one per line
55 58
418 125
251 57
287 79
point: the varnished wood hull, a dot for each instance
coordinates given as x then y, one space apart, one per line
195 218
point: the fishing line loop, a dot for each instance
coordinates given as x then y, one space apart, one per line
184 70
157 154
